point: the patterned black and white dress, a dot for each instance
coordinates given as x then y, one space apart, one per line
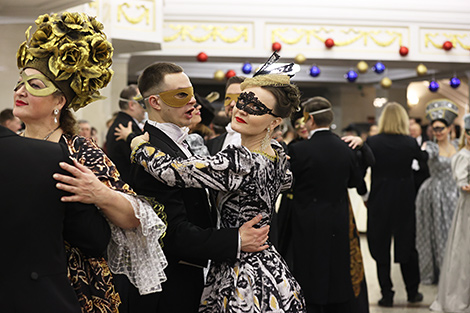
248 184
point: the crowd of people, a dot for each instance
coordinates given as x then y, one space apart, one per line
186 209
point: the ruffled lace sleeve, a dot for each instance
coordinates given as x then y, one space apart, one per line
136 252
224 171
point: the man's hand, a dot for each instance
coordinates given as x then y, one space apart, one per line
353 141
122 132
254 239
466 188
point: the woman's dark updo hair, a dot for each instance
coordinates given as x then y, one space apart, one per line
287 99
67 120
440 120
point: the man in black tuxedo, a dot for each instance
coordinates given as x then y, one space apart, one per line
323 167
191 238
35 222
232 91
420 168
132 113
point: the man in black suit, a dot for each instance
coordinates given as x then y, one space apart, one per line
191 238
132 113
323 167
420 168
232 91
35 222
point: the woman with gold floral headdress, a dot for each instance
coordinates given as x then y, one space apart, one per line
63 66
437 196
249 179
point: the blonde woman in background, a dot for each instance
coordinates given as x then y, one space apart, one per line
391 209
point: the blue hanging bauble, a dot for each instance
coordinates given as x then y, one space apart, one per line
454 82
314 71
433 86
379 67
247 68
351 76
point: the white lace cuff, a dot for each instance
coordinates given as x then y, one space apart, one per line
136 252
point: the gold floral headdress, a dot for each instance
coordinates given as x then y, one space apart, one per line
72 51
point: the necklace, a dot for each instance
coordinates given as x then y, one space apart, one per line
47 136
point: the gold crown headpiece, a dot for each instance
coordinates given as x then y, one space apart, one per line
72 51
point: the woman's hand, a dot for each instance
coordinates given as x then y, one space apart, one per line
122 132
84 186
139 139
466 188
354 141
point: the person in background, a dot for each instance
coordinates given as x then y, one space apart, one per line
438 195
391 209
84 128
420 169
130 115
232 91
10 121
324 167
454 283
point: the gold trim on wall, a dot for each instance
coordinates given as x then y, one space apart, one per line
133 20
213 32
454 38
308 34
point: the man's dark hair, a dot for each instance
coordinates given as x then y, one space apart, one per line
128 93
5 116
234 80
151 79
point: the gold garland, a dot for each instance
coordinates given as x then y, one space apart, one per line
214 32
131 20
454 38
314 33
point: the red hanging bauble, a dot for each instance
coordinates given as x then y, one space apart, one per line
276 46
447 45
230 73
329 43
202 57
403 51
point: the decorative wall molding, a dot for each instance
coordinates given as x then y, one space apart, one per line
223 35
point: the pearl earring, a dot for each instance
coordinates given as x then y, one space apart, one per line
56 111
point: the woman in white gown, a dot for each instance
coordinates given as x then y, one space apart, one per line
454 282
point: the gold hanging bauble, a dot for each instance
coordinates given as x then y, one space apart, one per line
362 67
386 82
421 69
300 58
219 75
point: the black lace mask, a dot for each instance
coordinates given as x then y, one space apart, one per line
248 102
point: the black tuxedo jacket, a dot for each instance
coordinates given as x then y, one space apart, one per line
215 144
423 173
119 151
323 167
190 237
33 274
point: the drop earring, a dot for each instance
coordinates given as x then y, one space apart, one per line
266 140
56 112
